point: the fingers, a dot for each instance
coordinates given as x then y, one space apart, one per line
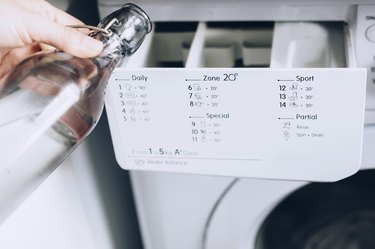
64 38
46 24
45 9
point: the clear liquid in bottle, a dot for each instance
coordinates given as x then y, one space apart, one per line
52 101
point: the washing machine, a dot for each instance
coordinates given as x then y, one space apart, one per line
198 211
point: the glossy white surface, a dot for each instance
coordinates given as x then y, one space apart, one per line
54 216
243 131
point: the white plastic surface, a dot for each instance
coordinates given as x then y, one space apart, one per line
370 33
308 45
279 124
254 10
54 216
174 208
365 49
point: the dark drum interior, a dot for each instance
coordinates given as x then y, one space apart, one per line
337 215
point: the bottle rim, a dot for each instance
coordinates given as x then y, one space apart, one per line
140 11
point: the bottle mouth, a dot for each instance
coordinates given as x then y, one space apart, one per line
130 23
141 12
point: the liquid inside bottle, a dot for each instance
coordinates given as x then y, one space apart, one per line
52 101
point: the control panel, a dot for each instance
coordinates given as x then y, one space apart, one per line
302 124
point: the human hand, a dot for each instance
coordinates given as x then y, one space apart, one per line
26 24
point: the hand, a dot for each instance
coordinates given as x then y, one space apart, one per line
27 23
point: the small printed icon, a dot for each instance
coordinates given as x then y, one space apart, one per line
197 87
286 135
287 125
293 87
293 104
294 96
199 103
139 162
129 95
128 87
131 103
198 96
204 140
132 111
133 119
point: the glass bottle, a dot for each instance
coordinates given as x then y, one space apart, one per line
52 101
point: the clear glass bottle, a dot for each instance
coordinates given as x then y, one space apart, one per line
52 101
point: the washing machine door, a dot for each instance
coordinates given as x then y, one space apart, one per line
239 212
292 215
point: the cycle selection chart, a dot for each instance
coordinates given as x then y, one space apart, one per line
242 118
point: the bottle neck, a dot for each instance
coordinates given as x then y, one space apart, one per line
113 51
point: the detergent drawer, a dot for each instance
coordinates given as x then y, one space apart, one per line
245 99
247 44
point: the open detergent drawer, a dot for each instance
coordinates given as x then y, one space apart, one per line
276 100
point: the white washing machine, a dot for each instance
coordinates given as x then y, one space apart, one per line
195 211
